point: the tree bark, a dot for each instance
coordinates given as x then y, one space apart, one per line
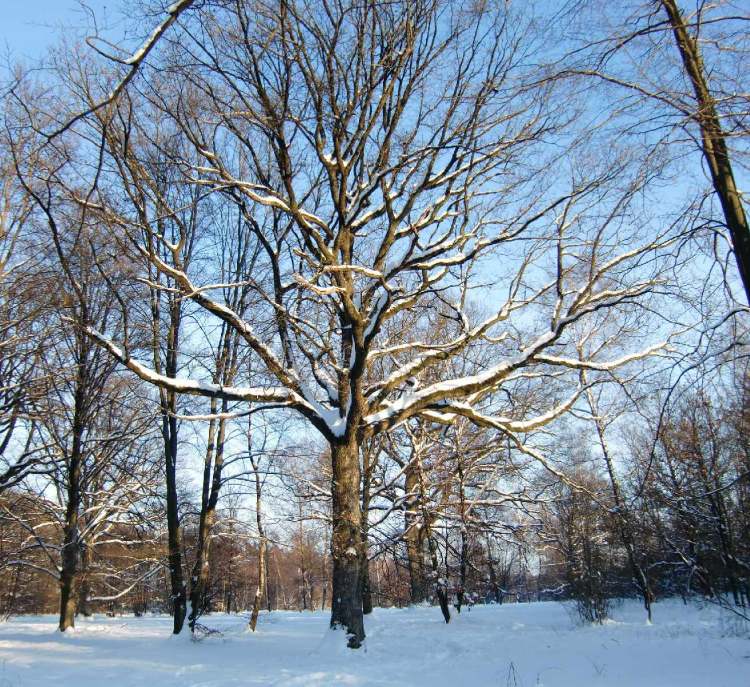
176 579
71 544
261 588
68 574
414 537
346 541
263 543
464 553
212 470
84 588
169 429
441 589
365 532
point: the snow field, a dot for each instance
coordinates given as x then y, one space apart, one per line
514 645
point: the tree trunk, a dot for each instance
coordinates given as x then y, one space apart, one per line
414 537
261 588
169 428
623 515
365 533
176 580
462 569
441 588
84 588
464 553
212 469
346 542
263 544
71 547
440 585
713 143
68 579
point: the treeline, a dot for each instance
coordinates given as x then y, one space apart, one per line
127 572
668 516
675 523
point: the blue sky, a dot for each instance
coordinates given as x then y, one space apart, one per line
28 27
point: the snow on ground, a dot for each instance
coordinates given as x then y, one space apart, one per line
514 645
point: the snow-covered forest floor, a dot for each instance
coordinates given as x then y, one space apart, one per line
521 645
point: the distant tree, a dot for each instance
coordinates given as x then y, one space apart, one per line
622 511
695 498
577 531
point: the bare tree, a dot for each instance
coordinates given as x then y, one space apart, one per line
621 510
695 503
24 318
262 586
677 76
576 531
713 137
374 152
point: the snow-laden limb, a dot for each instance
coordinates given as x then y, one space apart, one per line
286 376
173 11
184 385
258 193
429 355
133 63
450 411
440 397
320 290
367 271
329 420
410 403
33 566
580 364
